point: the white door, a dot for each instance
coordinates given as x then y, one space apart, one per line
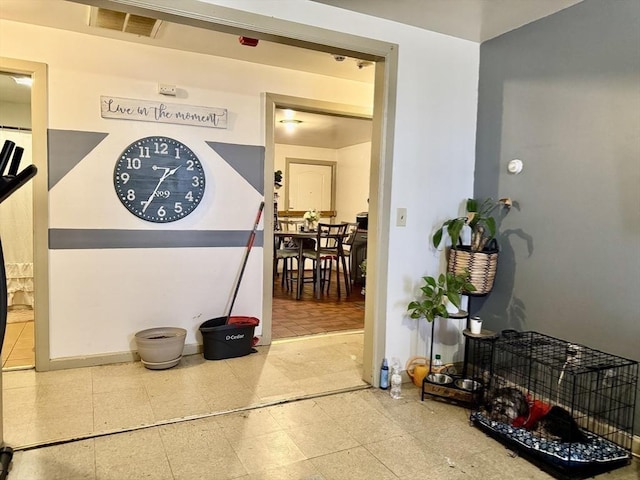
310 186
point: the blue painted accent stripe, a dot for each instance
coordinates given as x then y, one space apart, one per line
83 239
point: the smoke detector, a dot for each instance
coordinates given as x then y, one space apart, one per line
123 22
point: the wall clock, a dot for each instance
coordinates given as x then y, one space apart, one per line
159 179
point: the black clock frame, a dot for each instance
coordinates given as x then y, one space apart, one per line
159 179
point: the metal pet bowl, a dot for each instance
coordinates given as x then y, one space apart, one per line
468 384
439 378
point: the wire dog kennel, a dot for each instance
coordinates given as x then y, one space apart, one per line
567 407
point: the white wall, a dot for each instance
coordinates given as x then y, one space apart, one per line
15 114
434 149
433 152
100 298
352 183
282 152
353 166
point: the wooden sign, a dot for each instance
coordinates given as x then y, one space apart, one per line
161 112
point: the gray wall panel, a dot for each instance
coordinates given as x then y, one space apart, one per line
75 239
563 95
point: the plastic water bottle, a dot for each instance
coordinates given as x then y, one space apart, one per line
384 375
437 364
396 381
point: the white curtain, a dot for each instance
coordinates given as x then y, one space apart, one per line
16 228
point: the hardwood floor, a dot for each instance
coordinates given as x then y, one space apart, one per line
18 347
309 315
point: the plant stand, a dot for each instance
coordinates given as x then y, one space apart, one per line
444 385
454 387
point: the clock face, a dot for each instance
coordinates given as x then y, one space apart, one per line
159 179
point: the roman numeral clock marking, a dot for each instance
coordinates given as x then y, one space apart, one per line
159 179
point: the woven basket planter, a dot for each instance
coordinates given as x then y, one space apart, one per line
480 265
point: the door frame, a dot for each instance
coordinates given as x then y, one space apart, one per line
303 161
38 72
378 238
385 55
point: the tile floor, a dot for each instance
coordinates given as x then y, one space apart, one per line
232 419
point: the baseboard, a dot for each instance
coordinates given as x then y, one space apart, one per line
110 358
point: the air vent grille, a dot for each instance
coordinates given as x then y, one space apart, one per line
124 22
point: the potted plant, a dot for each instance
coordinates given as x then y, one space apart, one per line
480 257
435 294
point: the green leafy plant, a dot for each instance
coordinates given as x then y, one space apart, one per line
478 218
435 292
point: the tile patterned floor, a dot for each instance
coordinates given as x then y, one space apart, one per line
41 407
310 315
297 410
359 435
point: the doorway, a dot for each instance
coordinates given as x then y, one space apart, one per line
16 225
29 291
261 27
327 169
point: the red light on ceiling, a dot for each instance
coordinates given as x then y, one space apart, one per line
249 42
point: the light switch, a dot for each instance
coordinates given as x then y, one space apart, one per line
401 219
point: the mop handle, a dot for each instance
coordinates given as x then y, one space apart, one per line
246 257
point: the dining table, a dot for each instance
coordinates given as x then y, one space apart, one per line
298 238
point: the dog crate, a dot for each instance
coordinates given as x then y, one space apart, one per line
567 407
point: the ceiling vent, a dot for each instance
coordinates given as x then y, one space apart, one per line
124 22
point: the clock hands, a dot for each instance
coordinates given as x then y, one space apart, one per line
167 173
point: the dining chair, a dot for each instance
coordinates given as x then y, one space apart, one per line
329 238
348 250
286 249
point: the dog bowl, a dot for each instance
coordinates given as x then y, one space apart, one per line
439 378
467 384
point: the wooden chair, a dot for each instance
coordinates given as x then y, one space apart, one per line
347 247
286 249
329 238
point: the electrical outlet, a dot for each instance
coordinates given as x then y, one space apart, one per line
401 217
165 89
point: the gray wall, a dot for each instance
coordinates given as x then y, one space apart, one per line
563 95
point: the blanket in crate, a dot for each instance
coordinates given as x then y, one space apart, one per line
597 451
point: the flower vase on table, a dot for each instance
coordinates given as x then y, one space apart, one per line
311 218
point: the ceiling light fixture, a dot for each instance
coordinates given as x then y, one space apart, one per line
26 81
290 124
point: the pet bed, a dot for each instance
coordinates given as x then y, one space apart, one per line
597 451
